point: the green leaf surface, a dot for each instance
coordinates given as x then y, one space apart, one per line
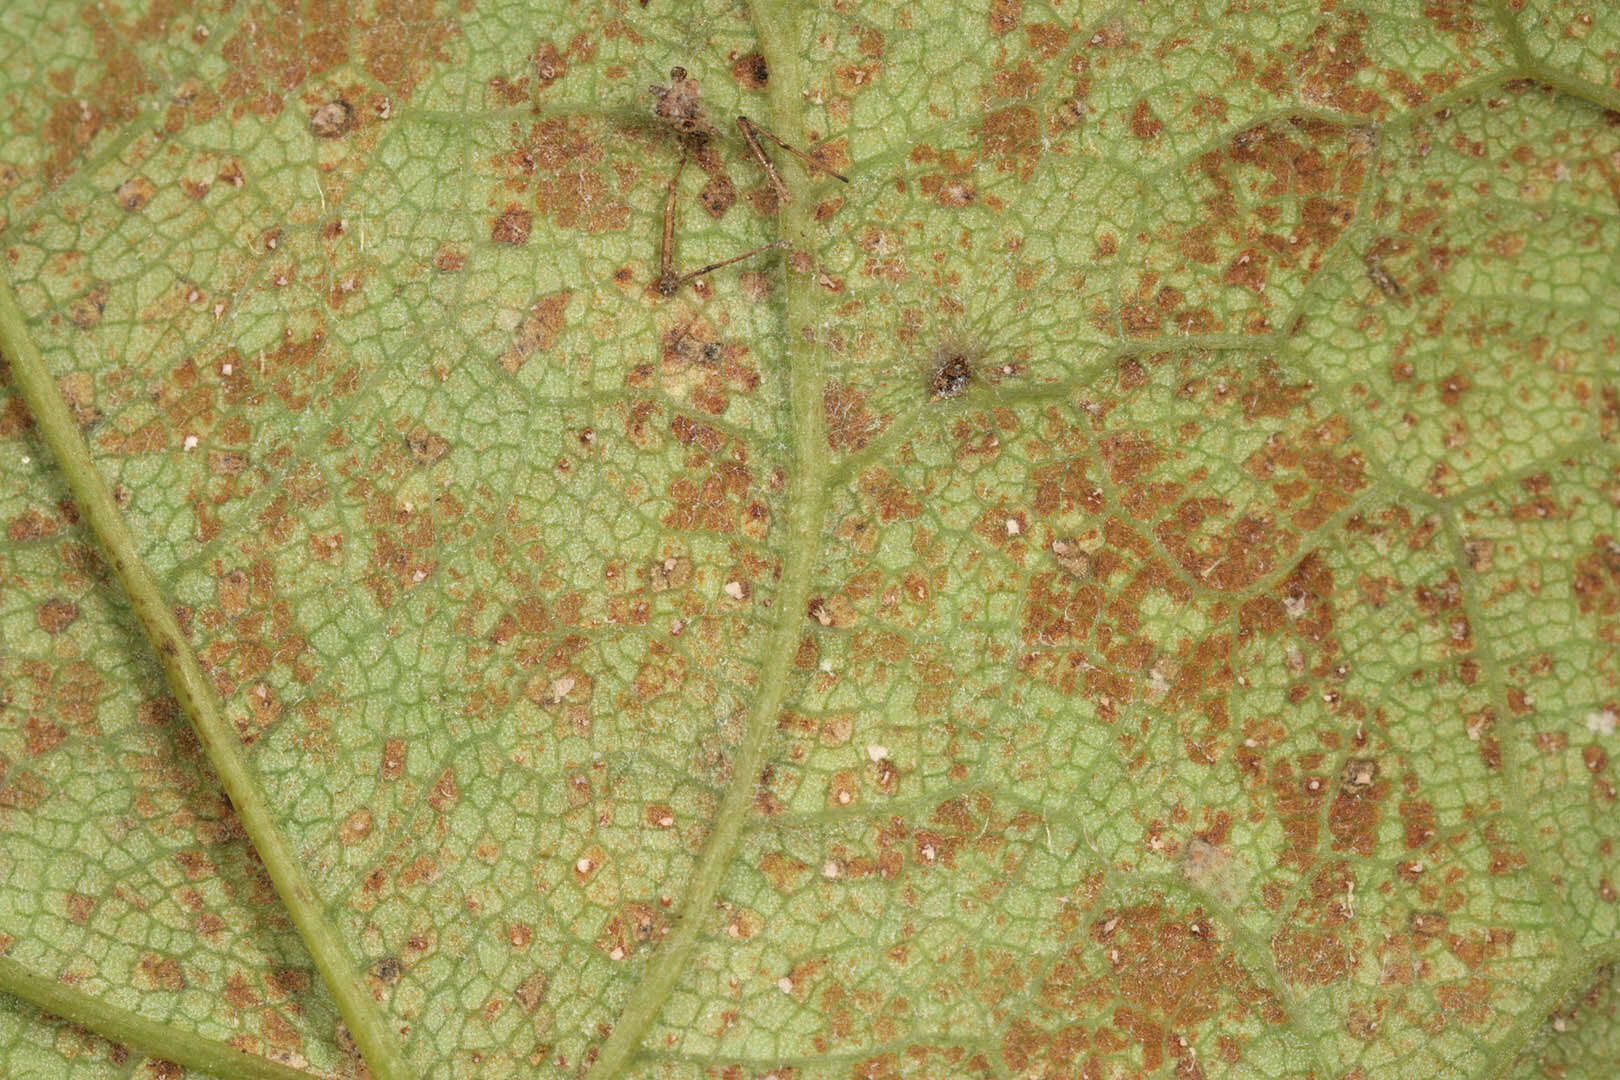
1128 587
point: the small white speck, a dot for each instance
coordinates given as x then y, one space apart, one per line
877 753
617 953
226 369
585 865
831 870
419 576
26 459
785 985
735 590
1013 527
191 442
1602 722
560 688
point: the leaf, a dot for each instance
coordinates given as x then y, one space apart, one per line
1129 588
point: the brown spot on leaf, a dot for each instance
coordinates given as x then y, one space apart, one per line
632 926
135 193
549 65
393 759
79 392
86 311
850 426
332 120
539 329
1011 139
1004 16
532 991
449 259
511 226
1144 125
1596 582
750 71
157 973
56 614
426 446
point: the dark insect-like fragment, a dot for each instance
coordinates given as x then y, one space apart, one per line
677 104
1382 279
1358 775
331 120
951 376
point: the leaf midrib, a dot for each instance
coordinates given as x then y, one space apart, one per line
775 26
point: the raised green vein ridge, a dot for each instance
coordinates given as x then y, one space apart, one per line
807 512
131 1029
193 693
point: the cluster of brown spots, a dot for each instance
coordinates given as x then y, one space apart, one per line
888 498
951 186
62 695
970 825
1011 140
784 872
1442 603
1596 583
281 47
633 925
1329 68
850 425
853 76
694 363
1313 474
1311 957
563 162
1247 235
253 632
538 331
121 84
1163 982
1005 15
710 493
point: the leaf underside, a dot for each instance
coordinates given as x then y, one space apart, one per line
1130 588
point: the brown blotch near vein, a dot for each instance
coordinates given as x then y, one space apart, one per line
850 425
539 330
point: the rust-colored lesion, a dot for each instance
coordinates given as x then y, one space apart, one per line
1150 983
